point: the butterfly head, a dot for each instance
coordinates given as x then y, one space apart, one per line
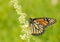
31 20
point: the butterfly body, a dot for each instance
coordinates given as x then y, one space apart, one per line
38 25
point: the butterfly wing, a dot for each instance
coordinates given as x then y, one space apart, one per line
45 21
38 25
37 29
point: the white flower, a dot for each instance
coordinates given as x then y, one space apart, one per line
23 37
26 24
22 19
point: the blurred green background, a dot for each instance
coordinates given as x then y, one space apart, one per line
10 27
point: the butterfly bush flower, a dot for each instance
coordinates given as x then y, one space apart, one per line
22 19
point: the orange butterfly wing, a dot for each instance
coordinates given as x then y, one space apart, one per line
38 24
42 21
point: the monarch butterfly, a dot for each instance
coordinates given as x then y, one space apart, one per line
38 25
